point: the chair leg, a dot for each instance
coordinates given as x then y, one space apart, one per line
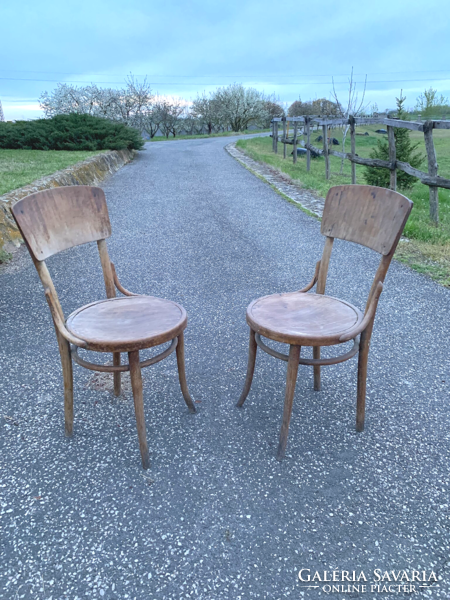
291 380
182 374
116 363
136 385
67 369
250 369
316 354
364 346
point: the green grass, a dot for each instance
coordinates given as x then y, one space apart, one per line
429 250
21 167
162 138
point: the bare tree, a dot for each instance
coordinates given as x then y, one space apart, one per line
170 110
239 107
352 106
128 105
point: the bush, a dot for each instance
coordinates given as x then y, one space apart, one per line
405 151
69 132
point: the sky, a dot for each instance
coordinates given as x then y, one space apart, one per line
288 48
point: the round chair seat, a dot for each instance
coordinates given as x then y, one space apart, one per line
127 324
302 319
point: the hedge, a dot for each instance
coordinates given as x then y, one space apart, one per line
69 132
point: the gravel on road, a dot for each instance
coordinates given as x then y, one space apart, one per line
216 516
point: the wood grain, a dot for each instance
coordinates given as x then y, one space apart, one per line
60 218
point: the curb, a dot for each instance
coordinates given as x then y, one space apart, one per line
280 182
91 171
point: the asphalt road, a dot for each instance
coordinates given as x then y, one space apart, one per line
216 516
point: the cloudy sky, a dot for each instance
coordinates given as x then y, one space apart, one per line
290 48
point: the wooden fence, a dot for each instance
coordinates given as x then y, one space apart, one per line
431 178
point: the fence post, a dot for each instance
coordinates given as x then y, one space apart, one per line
295 142
284 137
392 157
308 141
273 135
432 170
275 148
351 120
325 151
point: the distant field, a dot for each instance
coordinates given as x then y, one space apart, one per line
429 250
21 167
162 138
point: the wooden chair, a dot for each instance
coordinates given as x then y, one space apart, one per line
370 216
58 219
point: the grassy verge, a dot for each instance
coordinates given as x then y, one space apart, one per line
21 167
428 250
162 138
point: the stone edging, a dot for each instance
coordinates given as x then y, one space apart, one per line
281 182
91 171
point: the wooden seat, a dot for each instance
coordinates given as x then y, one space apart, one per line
58 219
302 319
127 324
371 216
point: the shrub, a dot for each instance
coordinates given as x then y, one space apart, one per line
69 132
405 151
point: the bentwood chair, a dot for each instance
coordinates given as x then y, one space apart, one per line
58 219
371 216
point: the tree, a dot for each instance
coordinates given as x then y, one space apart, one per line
127 105
321 107
206 111
273 109
238 107
352 106
406 151
431 104
169 111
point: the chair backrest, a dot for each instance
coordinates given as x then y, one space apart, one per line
368 215
57 219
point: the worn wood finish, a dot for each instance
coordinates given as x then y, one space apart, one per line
392 157
276 138
325 151
364 214
295 142
127 324
284 138
291 380
432 170
371 216
353 146
250 369
302 319
138 396
60 218
110 288
182 374
308 141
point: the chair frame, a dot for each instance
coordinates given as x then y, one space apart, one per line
24 212
361 333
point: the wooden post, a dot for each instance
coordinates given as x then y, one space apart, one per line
273 136
284 137
432 170
351 120
325 151
276 138
295 142
308 141
392 157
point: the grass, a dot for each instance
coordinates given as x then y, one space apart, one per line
428 250
21 167
162 138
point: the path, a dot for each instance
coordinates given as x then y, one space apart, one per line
216 516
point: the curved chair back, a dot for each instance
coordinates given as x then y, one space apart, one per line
365 214
60 218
